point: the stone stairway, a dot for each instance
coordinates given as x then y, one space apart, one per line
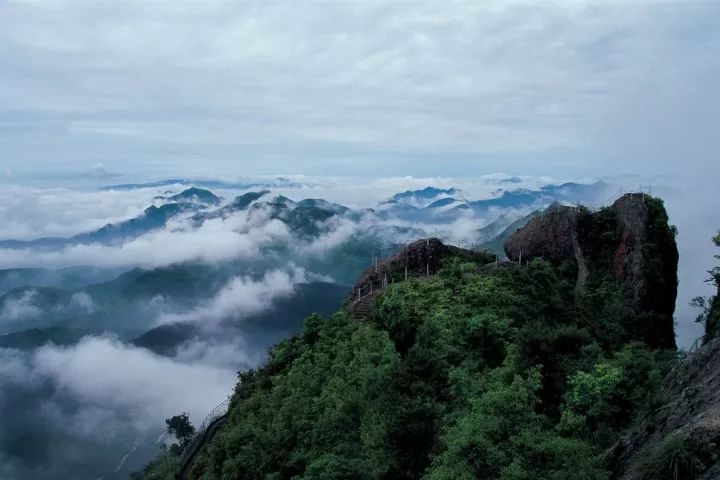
363 308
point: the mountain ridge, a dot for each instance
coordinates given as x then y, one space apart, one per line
479 370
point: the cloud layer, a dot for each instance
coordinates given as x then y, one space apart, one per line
77 408
240 297
354 87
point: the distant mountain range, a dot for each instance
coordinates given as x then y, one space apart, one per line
308 217
433 205
284 318
279 182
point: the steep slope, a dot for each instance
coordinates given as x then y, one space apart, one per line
682 439
472 372
628 246
498 239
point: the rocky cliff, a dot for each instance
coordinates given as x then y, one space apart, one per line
629 243
684 435
417 259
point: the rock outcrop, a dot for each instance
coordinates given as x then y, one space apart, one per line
551 235
420 258
630 241
690 417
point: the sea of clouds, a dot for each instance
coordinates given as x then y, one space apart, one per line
111 397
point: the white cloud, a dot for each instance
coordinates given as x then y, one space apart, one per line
105 374
20 307
27 213
240 297
82 301
231 353
238 236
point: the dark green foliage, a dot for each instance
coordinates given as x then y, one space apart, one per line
162 468
501 436
181 428
495 375
632 284
710 307
661 253
602 401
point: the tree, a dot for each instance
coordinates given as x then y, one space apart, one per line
180 426
710 307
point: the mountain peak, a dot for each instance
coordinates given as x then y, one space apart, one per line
196 195
613 245
425 194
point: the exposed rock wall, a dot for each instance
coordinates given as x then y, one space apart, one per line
630 241
691 412
549 236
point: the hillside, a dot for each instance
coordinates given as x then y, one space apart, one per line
477 371
683 434
681 438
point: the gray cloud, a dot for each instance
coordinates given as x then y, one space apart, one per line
106 373
240 297
343 87
104 397
21 307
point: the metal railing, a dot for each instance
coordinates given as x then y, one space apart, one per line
215 414
695 347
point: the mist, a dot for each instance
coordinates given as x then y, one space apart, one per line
100 342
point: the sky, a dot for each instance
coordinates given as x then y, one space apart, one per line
156 88
355 100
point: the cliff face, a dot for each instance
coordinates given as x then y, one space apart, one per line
630 242
688 423
549 235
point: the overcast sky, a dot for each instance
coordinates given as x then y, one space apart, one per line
208 88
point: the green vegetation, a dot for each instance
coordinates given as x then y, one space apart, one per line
499 375
710 307
180 427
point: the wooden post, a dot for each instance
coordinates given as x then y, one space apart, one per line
520 258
